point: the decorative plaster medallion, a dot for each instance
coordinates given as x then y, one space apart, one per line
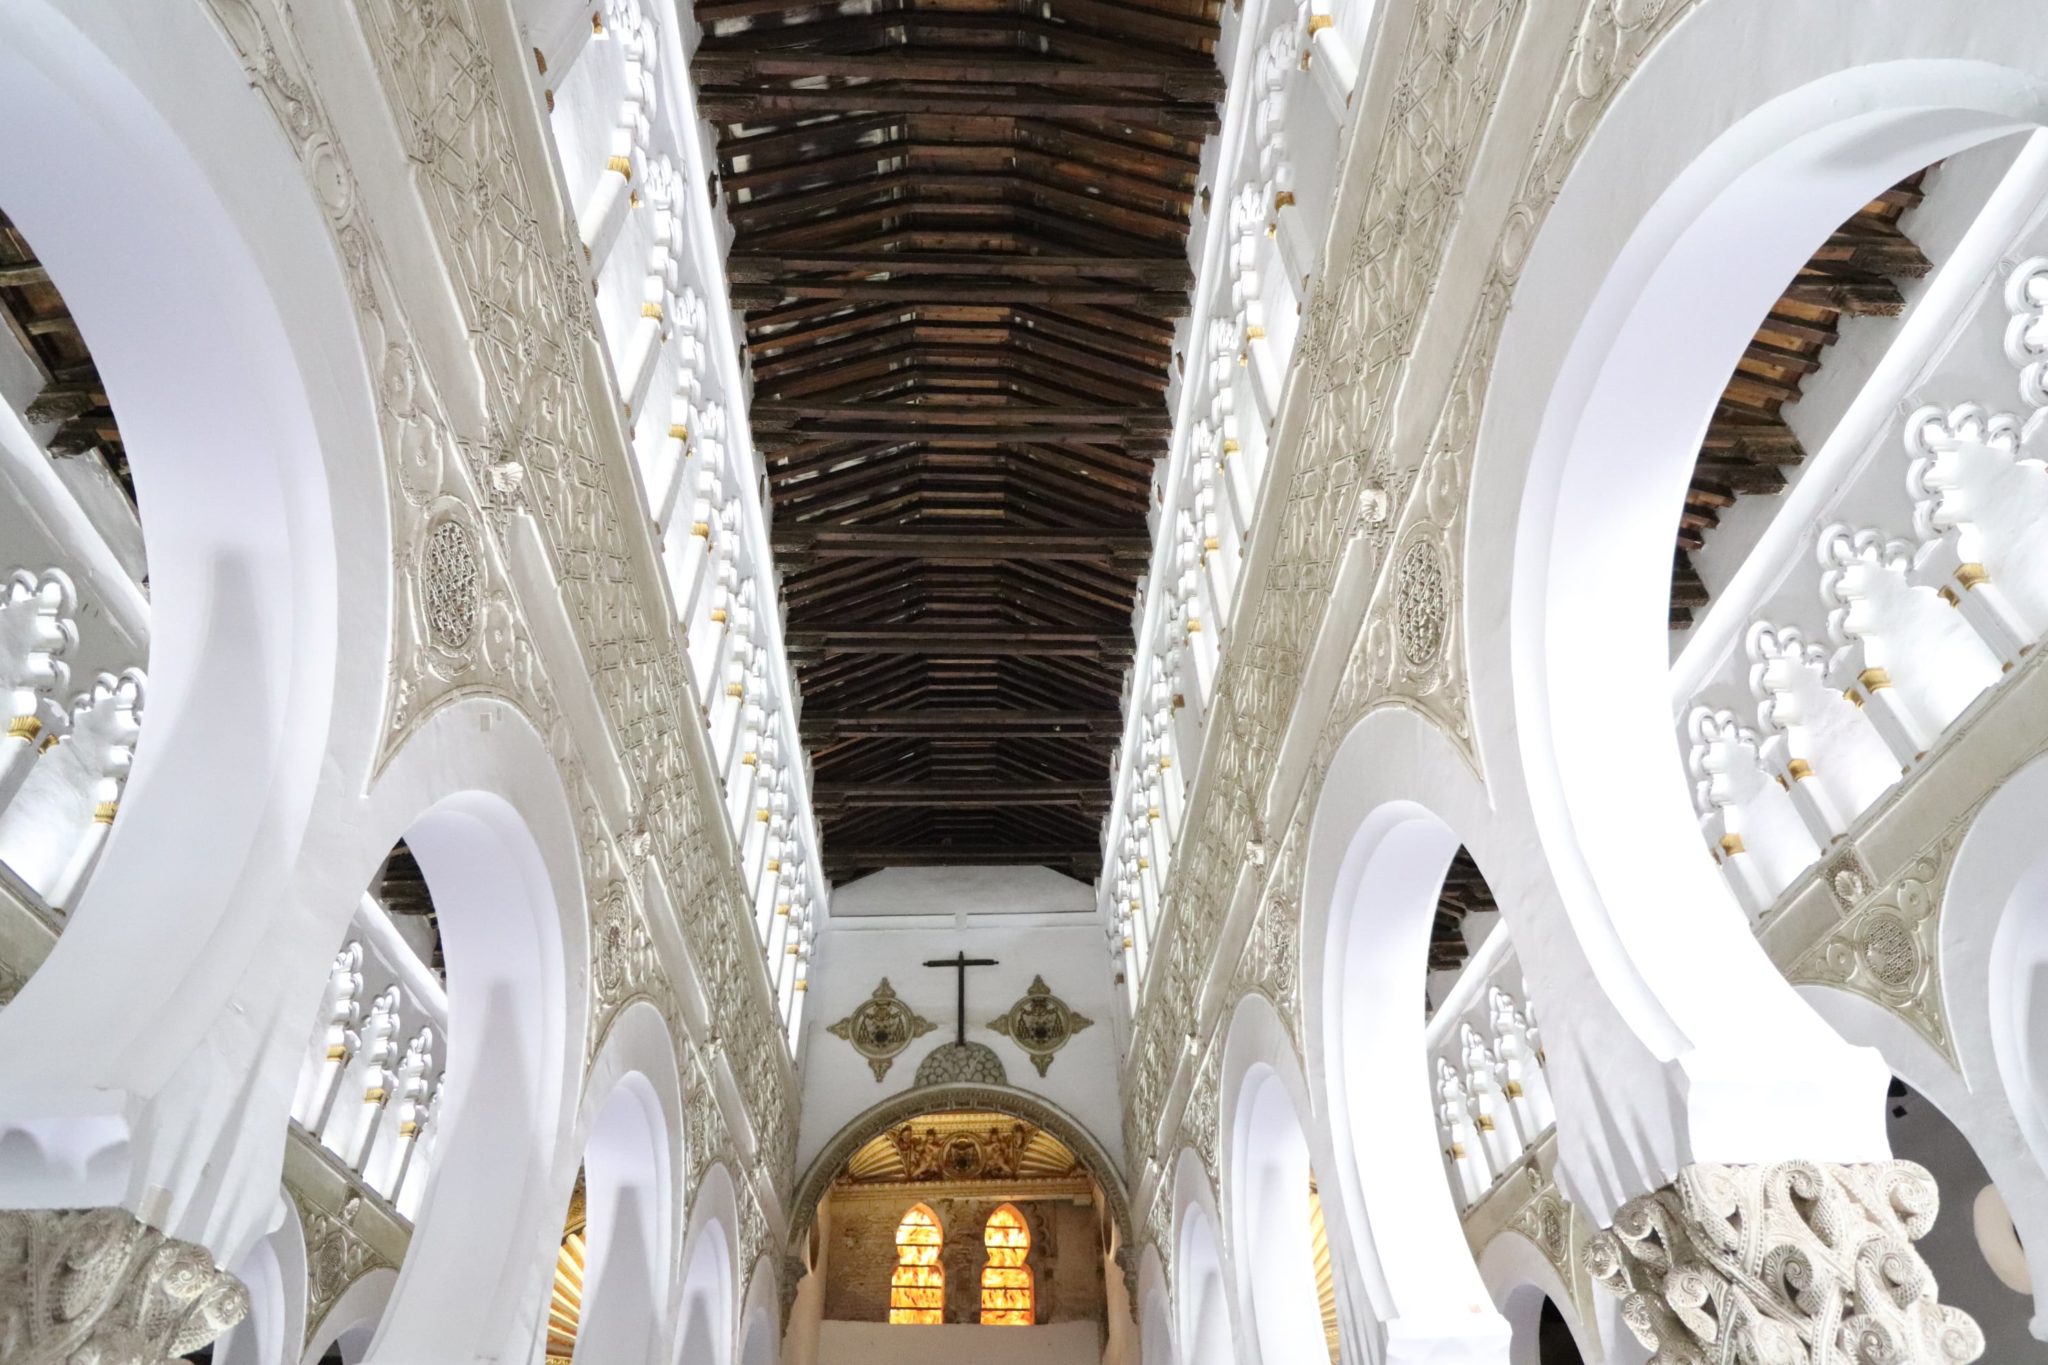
962 1064
881 1027
1040 1023
1849 879
450 587
1420 602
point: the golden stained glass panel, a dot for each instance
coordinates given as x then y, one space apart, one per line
1006 1291
917 1287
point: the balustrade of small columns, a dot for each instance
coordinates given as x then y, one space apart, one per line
630 147
1493 1097
62 767
1262 222
370 1083
1917 626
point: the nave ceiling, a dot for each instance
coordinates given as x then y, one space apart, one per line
960 247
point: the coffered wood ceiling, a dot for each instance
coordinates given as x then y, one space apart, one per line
960 248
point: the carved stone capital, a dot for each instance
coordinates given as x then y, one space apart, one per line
1797 1263
98 1285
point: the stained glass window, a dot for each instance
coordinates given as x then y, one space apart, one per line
1006 1280
917 1288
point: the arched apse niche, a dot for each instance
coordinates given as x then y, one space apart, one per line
1375 867
1680 221
1270 1172
633 1116
160 196
706 1292
476 796
1204 1296
872 1122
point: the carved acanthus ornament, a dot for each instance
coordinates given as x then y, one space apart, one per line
97 1285
1790 1264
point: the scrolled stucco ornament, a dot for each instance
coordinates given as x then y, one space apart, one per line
1790 1264
99 1287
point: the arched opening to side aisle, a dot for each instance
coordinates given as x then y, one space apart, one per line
1403 1052
1287 1290
610 1297
705 1331
1724 216
1204 1294
1530 1289
253 463
464 1155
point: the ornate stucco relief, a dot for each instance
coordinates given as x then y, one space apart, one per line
1887 946
337 1255
542 453
1345 480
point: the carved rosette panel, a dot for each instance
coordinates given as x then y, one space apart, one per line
1886 947
881 1027
1041 1023
89 1285
1791 1263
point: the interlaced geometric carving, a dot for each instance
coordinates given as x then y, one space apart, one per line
450 584
1421 606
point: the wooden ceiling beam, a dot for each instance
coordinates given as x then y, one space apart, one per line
959 723
845 795
1161 272
760 106
963 546
957 855
960 641
1144 417
715 70
1162 301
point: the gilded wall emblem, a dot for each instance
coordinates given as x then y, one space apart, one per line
881 1027
1040 1023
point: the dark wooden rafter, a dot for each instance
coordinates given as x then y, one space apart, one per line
401 888
1464 893
1748 444
960 245
72 395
